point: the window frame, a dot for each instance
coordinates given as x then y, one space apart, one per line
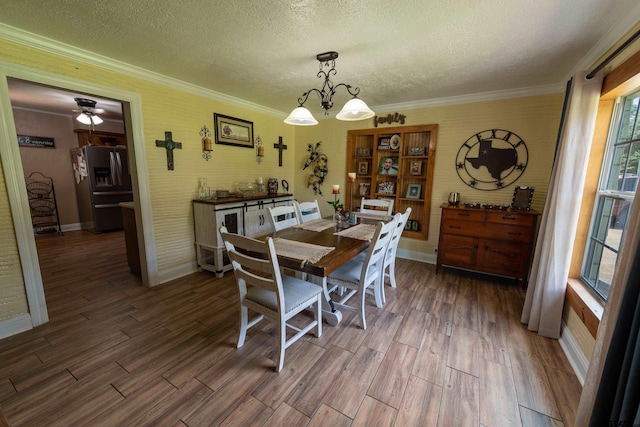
602 194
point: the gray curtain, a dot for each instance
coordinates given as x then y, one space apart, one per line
618 397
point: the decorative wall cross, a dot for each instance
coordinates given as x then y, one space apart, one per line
169 144
280 146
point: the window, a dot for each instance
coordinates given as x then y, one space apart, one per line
617 187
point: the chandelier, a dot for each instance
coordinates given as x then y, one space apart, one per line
354 109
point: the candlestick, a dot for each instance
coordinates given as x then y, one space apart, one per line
336 189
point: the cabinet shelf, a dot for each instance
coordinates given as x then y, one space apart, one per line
411 148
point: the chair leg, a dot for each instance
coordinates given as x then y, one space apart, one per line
244 320
318 316
392 273
282 326
363 321
382 295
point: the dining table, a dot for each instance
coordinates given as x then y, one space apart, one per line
292 243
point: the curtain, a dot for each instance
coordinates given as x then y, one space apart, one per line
544 301
611 392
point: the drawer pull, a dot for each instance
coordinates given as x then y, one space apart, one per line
507 255
510 233
513 218
464 214
455 227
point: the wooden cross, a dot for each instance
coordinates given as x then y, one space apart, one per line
169 144
280 146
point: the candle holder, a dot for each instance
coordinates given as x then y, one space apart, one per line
205 133
352 183
259 150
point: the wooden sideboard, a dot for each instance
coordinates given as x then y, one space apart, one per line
242 215
489 241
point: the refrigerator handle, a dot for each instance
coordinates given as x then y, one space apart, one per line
119 168
112 167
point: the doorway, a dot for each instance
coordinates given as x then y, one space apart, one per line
17 196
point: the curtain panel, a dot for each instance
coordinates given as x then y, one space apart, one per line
544 301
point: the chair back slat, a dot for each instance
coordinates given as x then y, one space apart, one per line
283 217
307 211
376 206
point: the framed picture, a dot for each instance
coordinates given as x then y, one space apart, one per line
416 151
364 188
415 225
522 198
384 143
386 187
413 191
388 165
363 168
416 167
232 131
364 152
35 141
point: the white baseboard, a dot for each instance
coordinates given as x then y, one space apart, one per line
70 227
15 325
576 357
177 272
416 256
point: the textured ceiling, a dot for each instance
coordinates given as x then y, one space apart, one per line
408 51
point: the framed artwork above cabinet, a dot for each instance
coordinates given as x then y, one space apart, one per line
393 163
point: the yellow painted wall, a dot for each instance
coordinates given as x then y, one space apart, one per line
534 119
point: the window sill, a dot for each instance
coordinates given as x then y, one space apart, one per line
586 306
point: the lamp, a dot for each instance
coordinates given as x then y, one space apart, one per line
88 112
354 109
205 133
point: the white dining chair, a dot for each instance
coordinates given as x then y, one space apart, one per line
265 291
307 211
282 217
382 207
361 276
389 267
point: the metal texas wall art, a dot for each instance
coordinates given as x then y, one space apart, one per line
492 159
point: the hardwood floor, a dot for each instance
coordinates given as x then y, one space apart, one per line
446 350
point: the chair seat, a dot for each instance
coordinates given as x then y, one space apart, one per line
298 292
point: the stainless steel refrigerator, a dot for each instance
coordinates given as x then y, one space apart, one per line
102 182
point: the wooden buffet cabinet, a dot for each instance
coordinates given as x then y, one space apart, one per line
413 150
242 215
489 241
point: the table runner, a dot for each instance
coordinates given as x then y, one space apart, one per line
378 217
360 231
305 252
316 224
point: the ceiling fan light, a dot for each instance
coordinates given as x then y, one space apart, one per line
355 109
84 119
300 116
97 120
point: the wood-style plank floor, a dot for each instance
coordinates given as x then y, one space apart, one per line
446 350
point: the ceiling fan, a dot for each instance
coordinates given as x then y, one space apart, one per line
88 112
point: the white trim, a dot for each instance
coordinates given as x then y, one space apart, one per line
416 256
71 227
12 165
36 41
15 325
178 272
576 357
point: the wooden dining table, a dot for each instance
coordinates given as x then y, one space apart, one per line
345 249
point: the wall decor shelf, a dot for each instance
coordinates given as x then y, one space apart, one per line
389 162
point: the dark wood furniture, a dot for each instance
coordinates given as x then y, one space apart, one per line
345 249
131 236
110 139
490 241
413 150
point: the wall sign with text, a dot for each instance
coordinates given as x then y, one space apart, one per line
35 141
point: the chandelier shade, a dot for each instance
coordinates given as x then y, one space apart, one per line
354 109
300 116
89 119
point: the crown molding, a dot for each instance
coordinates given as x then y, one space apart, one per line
35 41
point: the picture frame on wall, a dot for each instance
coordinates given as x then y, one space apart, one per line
388 165
364 188
233 131
387 187
522 198
415 167
36 141
363 168
413 191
